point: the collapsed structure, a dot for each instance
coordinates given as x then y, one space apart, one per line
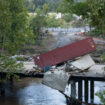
58 78
78 65
65 53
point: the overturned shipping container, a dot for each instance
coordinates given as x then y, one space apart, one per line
65 53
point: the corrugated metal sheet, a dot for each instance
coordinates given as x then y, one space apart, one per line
65 53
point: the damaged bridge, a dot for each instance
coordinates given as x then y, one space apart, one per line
78 68
82 70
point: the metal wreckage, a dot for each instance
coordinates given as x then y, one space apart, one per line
77 65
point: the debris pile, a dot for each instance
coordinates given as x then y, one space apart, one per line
56 79
31 69
60 64
75 58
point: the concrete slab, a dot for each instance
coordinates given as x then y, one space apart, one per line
84 62
57 79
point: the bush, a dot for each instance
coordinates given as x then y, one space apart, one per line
101 95
10 66
103 57
21 59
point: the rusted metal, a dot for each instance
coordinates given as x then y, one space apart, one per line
65 53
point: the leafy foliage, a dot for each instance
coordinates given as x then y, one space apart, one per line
9 65
103 57
32 5
68 17
42 19
97 14
51 21
13 26
38 22
45 8
14 34
101 95
93 10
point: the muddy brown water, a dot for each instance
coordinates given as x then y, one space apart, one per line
30 91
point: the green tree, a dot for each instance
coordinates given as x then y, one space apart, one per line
45 9
68 17
5 23
97 14
73 7
93 10
39 21
13 31
51 21
32 5
53 4
13 25
9 65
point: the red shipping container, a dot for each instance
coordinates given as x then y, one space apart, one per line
65 53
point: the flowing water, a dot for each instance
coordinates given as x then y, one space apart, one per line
30 91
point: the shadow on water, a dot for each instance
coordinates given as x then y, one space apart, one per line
30 91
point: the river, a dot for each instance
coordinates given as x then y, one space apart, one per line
30 91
